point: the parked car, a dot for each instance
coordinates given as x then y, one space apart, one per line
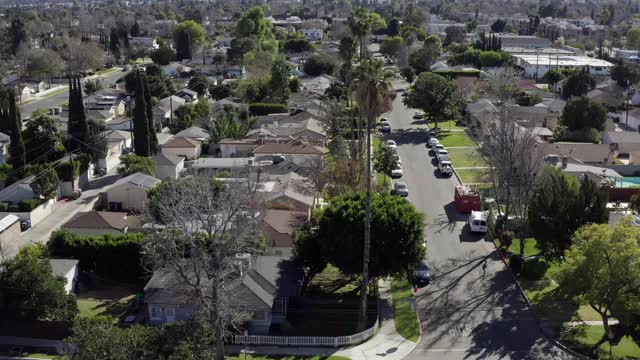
418 115
400 188
477 222
385 126
397 172
433 141
421 274
445 168
391 144
442 155
436 147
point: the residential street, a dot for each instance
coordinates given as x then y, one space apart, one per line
63 97
472 309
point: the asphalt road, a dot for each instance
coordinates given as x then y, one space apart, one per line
472 309
52 101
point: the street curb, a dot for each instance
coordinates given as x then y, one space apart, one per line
535 315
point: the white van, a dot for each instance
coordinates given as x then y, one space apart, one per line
477 222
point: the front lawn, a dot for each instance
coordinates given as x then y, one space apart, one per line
446 125
465 158
105 72
404 313
530 247
381 179
332 282
585 337
284 357
455 138
116 301
472 176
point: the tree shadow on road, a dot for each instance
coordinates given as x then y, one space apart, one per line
413 136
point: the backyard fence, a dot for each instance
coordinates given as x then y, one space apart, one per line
310 341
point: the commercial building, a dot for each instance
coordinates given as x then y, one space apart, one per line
535 66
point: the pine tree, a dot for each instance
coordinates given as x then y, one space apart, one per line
140 121
84 134
153 139
72 122
11 115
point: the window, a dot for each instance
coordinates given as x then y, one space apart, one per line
170 314
598 68
155 312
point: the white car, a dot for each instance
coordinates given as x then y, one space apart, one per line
418 115
432 141
385 126
401 189
477 222
397 172
392 144
445 168
442 155
436 147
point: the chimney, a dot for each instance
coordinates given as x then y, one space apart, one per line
565 161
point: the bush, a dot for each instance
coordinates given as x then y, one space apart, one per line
13 208
29 204
68 170
298 45
116 257
515 263
319 64
259 109
588 135
4 206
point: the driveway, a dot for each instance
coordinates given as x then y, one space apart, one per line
472 309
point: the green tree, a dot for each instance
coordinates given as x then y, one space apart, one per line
385 160
633 38
602 269
455 34
372 94
18 33
45 64
131 164
391 46
279 83
92 86
46 183
31 291
491 58
553 76
408 74
498 26
183 119
394 27
163 55
422 59
201 110
347 48
77 125
42 138
140 121
308 252
11 124
184 45
396 241
560 204
436 96
199 83
219 92
197 34
360 24
583 113
578 84
252 23
624 73
634 203
151 123
319 64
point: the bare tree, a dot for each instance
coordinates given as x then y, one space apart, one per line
504 83
199 227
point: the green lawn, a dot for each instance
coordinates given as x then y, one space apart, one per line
112 301
447 125
465 158
405 316
140 61
332 282
381 179
530 247
471 175
587 336
276 357
458 138
108 71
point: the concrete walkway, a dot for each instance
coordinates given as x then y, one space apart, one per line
590 323
386 344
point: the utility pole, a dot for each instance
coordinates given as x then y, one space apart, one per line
170 109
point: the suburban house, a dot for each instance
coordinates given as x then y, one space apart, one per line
278 229
238 147
309 130
609 96
194 133
68 269
98 223
585 153
189 96
162 112
213 166
110 103
5 140
118 143
234 72
314 34
175 69
263 292
481 114
300 153
148 44
185 147
9 233
168 166
290 191
130 192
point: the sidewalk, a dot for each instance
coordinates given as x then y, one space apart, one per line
386 344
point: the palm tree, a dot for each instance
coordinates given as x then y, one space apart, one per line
360 25
373 97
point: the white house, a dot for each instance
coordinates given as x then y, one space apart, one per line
68 269
117 142
188 148
98 223
314 34
194 133
130 192
168 166
162 111
535 64
300 153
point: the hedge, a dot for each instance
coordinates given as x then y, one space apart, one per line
69 170
116 257
29 204
258 109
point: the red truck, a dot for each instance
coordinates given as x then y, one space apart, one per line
467 199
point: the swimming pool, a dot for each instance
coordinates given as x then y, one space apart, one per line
629 181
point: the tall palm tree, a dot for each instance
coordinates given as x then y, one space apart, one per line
360 26
373 97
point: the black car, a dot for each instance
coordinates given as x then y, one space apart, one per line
421 274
